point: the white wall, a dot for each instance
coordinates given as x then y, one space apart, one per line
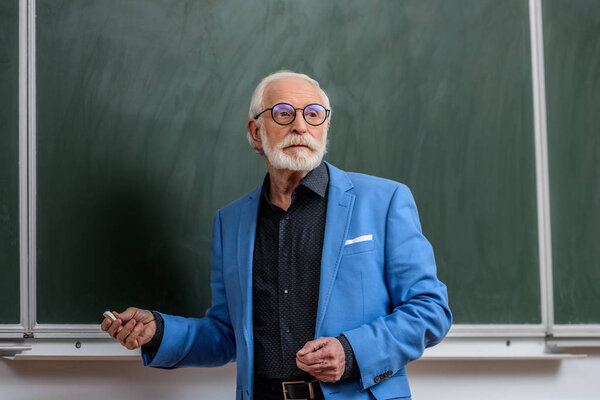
574 379
435 380
111 380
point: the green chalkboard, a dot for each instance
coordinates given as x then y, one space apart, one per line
9 162
142 109
444 95
572 53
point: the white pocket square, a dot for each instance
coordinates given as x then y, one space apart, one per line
362 238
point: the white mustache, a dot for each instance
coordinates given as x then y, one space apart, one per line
299 140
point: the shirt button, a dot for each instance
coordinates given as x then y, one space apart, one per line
285 253
287 330
287 217
285 291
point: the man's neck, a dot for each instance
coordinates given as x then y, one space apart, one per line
282 184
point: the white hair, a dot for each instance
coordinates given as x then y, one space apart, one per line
256 101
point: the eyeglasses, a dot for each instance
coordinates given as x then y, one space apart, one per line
285 114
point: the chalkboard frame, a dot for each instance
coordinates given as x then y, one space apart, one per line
537 330
553 30
20 329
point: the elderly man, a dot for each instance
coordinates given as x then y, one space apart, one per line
323 285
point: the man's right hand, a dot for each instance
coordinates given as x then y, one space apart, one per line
133 327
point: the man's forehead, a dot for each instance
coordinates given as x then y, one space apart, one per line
292 90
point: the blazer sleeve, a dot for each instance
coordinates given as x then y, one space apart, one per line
420 316
203 342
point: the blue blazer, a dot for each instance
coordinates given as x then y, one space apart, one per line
378 287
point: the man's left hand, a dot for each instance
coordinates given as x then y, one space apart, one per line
323 358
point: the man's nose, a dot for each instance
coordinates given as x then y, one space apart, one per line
299 125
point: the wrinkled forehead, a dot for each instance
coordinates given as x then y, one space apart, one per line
295 91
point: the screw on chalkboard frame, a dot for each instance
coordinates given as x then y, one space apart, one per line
28 335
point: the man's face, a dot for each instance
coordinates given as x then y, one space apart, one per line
298 146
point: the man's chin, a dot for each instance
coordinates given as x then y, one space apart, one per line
296 163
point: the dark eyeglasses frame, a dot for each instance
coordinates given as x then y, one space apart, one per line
295 109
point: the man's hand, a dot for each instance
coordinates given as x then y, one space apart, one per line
133 327
323 358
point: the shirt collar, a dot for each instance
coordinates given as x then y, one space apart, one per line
316 180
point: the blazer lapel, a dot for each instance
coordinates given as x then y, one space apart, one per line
246 235
337 221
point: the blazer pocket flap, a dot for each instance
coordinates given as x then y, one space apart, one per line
359 244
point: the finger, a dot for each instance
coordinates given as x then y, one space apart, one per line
325 353
105 324
324 374
132 340
127 328
309 369
302 366
313 369
311 346
332 350
329 369
114 327
312 359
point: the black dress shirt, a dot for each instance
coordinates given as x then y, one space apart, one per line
286 275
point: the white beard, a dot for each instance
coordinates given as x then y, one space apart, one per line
302 159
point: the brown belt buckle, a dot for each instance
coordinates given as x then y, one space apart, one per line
311 392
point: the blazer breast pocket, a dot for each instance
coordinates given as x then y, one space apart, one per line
361 244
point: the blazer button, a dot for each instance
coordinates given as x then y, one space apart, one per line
388 374
377 379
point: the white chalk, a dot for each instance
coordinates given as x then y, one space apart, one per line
109 315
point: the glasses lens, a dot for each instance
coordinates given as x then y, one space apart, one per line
283 113
315 114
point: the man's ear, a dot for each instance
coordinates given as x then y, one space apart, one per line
254 131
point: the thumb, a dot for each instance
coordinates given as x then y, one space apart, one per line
126 315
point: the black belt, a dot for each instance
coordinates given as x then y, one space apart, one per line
292 389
